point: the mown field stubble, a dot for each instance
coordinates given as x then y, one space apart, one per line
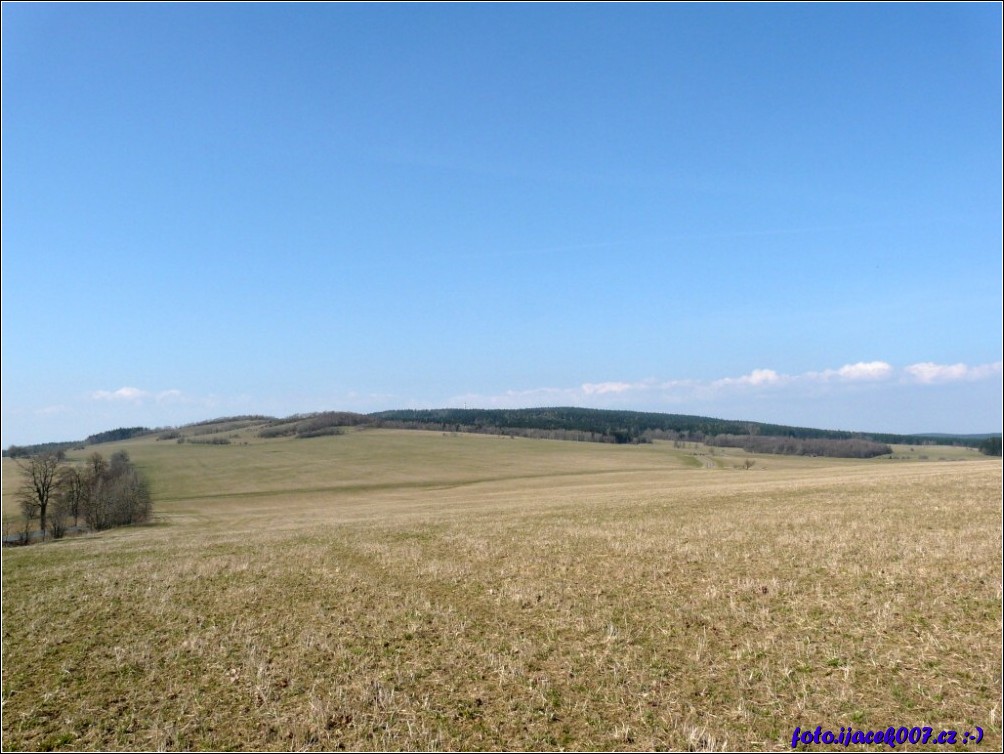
413 590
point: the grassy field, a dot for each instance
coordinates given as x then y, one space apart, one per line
414 590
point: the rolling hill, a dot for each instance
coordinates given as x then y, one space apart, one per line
564 423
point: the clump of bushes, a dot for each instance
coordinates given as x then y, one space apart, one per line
207 441
117 494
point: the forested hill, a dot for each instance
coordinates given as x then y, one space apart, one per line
624 425
560 423
630 426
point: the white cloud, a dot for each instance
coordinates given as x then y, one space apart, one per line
929 373
652 392
865 370
862 371
131 394
608 387
756 378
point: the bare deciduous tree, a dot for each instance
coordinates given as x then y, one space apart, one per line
41 476
74 489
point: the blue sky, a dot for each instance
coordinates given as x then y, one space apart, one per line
787 213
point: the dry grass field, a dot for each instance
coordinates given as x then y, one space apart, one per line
413 590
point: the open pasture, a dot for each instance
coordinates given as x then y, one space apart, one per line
421 590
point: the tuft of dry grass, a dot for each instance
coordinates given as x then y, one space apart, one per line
415 591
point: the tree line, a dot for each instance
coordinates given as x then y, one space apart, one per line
604 425
991 446
98 494
314 425
793 446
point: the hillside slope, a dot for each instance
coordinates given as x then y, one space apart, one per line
388 590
